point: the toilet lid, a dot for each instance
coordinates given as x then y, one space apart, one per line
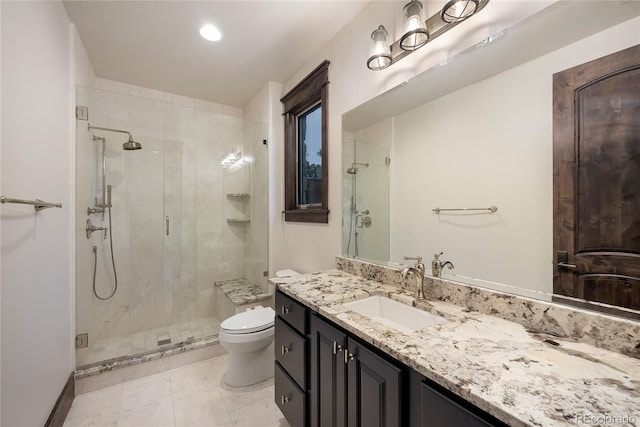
249 321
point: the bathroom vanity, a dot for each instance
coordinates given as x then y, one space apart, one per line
337 367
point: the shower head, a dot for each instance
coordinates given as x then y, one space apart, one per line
131 145
354 170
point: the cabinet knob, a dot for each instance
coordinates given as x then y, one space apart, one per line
336 347
284 399
284 310
285 349
348 356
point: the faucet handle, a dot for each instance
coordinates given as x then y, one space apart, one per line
417 259
437 256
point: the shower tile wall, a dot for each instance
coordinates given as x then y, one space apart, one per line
165 282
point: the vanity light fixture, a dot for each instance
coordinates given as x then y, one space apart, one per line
416 34
459 10
380 54
419 32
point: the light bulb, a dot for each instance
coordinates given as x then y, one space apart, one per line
211 33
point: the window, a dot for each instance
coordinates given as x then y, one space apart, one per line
306 169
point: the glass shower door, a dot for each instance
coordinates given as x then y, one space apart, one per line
117 326
181 224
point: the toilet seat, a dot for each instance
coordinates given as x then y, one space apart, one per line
249 321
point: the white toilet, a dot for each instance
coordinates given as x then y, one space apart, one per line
248 337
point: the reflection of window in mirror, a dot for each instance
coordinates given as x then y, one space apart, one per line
306 169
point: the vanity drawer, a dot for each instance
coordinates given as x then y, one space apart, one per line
290 399
292 311
291 352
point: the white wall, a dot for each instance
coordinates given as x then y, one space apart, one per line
488 144
311 247
36 258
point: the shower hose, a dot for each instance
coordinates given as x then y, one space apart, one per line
113 263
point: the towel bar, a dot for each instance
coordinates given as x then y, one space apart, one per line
38 204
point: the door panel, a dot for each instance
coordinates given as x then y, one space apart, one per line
608 149
611 289
597 180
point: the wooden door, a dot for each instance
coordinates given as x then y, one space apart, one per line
596 180
328 378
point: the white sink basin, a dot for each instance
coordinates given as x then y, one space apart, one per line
393 313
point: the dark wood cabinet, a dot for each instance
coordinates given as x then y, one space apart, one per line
294 313
290 398
350 384
375 388
433 406
291 360
328 373
326 377
291 350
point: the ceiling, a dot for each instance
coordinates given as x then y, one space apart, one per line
156 44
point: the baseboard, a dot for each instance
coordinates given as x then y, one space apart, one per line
63 404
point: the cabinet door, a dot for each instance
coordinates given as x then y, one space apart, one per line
432 406
327 375
374 387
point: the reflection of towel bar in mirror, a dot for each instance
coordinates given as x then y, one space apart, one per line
492 209
38 205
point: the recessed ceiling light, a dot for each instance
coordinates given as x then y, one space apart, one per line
210 33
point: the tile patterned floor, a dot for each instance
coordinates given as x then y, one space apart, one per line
193 395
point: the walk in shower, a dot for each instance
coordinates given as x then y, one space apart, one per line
180 193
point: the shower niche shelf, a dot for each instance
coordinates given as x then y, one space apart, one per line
238 220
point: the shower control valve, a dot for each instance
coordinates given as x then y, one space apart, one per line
90 228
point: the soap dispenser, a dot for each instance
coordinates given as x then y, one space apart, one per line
436 265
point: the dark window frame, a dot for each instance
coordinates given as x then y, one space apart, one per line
311 91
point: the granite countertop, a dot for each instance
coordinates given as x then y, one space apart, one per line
498 365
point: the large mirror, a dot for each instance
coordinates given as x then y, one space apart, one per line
473 133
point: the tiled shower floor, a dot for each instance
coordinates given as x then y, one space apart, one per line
142 342
193 395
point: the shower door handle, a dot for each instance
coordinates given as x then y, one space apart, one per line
167 224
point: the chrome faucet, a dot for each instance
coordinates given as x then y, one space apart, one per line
437 265
418 273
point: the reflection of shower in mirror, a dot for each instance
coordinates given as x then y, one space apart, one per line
354 170
365 194
356 216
